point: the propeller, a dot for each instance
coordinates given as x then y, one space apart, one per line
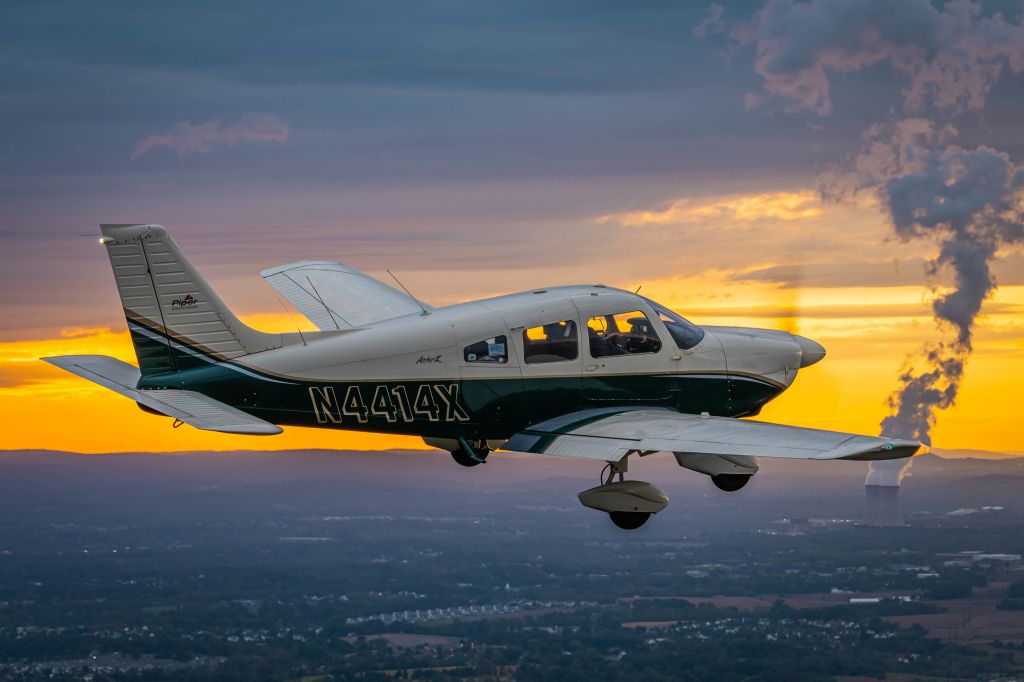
789 319
789 308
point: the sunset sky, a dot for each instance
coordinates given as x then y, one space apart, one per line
474 149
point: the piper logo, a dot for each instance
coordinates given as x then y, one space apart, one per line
184 302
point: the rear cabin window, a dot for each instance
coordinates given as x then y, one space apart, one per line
627 333
489 350
554 342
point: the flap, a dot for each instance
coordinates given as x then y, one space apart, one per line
610 433
335 296
195 409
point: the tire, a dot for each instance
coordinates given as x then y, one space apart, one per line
730 483
461 458
628 520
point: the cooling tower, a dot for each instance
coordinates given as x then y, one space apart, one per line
882 506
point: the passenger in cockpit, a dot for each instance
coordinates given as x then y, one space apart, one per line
559 331
560 339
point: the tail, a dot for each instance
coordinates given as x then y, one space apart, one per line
175 319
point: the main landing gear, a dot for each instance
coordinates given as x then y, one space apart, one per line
730 483
629 520
628 503
470 455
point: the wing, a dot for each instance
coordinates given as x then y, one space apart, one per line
195 409
608 434
335 296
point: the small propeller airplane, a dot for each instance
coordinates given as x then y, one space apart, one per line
586 371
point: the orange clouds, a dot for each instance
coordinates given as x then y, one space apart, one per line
743 208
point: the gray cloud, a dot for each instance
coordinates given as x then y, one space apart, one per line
712 24
185 138
948 58
529 46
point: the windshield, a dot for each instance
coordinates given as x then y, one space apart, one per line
684 333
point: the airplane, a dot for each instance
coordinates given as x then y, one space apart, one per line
587 371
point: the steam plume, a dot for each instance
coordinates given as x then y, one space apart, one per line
970 202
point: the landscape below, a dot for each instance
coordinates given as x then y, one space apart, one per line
363 565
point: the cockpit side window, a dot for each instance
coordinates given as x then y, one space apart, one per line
685 333
489 350
626 333
554 342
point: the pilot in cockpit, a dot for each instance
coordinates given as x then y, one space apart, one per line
600 347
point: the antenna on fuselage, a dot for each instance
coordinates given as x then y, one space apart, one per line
418 302
324 304
638 289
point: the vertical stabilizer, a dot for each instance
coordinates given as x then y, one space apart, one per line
175 319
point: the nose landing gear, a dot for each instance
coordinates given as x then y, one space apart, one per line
468 455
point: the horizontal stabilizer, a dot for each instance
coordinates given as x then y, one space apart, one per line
195 409
610 433
334 296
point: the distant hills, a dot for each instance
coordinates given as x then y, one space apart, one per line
502 469
420 481
975 454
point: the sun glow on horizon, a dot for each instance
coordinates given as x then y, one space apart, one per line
46 408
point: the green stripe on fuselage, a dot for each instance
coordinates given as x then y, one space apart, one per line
495 408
